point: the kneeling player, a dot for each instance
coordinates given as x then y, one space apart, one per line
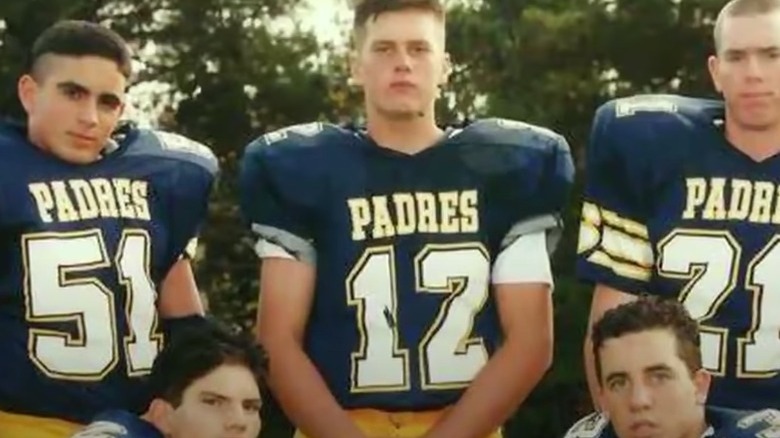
652 383
206 384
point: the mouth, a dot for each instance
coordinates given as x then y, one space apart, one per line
82 137
756 95
642 427
402 85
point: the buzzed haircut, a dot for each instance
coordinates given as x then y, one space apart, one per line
741 8
81 38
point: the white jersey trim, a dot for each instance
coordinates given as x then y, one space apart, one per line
526 260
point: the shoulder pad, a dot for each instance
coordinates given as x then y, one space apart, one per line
118 424
301 131
303 135
651 131
512 146
287 147
102 429
174 146
595 425
509 132
659 108
764 423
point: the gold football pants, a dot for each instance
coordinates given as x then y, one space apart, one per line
380 424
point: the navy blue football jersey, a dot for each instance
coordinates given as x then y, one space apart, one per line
720 423
118 424
672 209
402 317
82 251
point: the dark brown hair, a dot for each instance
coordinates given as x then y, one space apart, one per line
650 313
81 38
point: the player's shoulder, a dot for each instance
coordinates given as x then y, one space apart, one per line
300 138
595 425
741 424
118 424
176 148
12 136
500 146
521 135
639 114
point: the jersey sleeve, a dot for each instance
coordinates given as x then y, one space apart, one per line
191 202
541 181
278 191
614 248
193 178
595 425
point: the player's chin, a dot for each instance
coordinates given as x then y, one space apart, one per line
76 155
402 112
759 119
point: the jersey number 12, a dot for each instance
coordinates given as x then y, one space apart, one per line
448 357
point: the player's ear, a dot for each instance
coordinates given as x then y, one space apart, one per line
27 89
713 67
160 413
355 70
446 69
600 399
122 108
701 380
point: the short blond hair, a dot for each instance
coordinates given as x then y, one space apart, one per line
741 8
366 10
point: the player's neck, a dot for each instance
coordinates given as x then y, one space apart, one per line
701 426
406 136
149 417
758 145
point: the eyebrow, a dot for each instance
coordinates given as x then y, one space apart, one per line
648 369
384 42
766 49
657 367
106 98
224 397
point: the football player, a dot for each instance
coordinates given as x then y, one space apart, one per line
405 275
205 384
681 200
94 227
651 381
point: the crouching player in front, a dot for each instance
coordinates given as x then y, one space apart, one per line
652 383
205 383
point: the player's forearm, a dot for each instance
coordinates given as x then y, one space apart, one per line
305 398
499 388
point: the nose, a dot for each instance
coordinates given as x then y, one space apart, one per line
236 418
754 69
640 398
88 113
403 61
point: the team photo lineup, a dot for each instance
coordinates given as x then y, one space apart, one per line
404 269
